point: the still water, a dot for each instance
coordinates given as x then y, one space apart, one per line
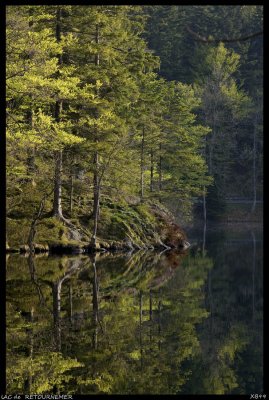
142 323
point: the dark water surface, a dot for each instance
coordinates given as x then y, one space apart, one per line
142 323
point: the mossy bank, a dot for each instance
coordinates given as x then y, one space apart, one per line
127 227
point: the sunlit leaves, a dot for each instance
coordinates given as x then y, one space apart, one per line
47 370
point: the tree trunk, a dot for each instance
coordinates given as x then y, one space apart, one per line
57 201
142 166
204 210
160 168
151 170
96 198
210 139
96 180
254 167
31 151
32 231
71 195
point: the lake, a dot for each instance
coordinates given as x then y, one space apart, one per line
140 323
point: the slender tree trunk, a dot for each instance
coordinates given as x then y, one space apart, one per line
160 168
210 141
142 166
31 151
96 198
96 181
57 201
71 195
151 170
32 231
204 203
204 239
204 211
210 157
254 166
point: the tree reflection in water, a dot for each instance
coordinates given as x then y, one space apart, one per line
142 323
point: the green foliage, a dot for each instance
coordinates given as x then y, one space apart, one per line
47 370
230 77
107 89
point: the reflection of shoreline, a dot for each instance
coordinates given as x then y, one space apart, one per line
233 233
112 315
232 226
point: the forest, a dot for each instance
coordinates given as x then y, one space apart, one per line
134 199
113 111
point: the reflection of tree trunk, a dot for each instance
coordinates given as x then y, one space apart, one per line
70 303
159 320
56 295
140 329
95 305
56 389
29 380
150 305
31 264
150 315
253 274
142 166
210 303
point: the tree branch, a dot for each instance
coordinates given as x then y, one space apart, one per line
203 39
